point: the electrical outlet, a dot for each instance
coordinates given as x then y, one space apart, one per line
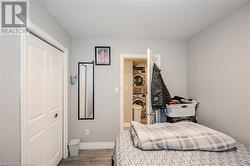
87 132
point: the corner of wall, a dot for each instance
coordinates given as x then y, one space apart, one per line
218 70
42 18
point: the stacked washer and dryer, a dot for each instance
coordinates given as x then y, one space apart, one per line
140 89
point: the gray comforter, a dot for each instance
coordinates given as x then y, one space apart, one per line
125 154
179 136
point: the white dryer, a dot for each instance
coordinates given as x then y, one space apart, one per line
139 82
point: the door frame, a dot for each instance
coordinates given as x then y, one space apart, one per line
122 58
34 28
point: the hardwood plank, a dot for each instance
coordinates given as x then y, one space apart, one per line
95 157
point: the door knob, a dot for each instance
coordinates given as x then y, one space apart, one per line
56 115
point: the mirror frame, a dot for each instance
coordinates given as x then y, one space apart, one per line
79 63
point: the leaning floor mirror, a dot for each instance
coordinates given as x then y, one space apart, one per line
85 90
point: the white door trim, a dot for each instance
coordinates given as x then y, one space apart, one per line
122 58
23 50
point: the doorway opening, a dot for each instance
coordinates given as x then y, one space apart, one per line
134 91
127 91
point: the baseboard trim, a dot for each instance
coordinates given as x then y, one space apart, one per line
96 145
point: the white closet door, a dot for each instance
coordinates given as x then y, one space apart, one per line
151 59
55 89
43 103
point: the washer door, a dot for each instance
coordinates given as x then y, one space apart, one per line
140 102
139 81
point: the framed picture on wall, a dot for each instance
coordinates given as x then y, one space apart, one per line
102 55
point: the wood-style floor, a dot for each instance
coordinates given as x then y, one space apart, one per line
96 157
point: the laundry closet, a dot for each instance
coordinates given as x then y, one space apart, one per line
135 91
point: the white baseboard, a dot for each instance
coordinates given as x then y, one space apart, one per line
96 145
126 124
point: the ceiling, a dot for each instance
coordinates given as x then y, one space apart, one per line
141 19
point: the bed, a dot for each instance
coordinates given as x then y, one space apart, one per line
125 154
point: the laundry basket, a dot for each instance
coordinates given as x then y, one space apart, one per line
74 145
137 112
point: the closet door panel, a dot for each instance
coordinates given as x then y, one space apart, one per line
35 70
55 106
43 102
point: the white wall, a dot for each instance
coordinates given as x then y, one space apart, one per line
10 82
10 122
219 74
105 126
40 17
1 106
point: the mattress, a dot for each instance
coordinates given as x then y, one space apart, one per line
125 154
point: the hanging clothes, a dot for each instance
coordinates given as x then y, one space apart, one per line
159 93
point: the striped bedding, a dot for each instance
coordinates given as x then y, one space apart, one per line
179 136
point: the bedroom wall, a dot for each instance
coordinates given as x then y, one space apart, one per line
10 82
40 17
10 134
105 126
219 74
1 106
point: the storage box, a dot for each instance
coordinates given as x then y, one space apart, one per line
181 110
